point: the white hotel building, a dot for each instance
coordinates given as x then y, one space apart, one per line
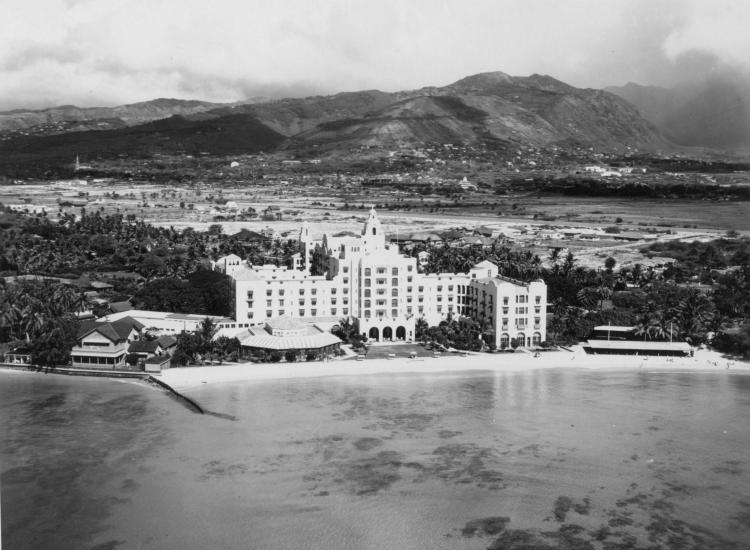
371 282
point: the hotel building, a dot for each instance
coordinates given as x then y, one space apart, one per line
369 280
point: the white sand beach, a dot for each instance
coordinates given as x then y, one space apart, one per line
703 361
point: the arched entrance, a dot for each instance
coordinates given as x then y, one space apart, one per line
374 334
504 340
536 339
387 333
521 339
401 333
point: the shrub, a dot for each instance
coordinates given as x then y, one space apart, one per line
291 356
275 357
311 356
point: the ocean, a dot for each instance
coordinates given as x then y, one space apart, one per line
557 458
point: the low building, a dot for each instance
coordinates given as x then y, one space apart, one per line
18 356
165 322
284 334
623 340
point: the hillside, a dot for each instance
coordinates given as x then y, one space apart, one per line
494 109
490 107
236 134
712 113
67 118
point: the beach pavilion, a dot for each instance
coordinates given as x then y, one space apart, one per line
284 334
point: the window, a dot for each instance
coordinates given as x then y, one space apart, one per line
333 311
333 301
408 299
268 292
440 288
346 269
409 267
367 282
345 301
537 310
394 281
281 312
440 309
538 299
249 294
302 301
301 312
421 289
250 315
408 279
522 299
333 291
346 291
301 291
315 301
381 270
281 292
505 300
380 281
346 282
421 309
380 313
380 302
314 291
368 272
394 313
439 298
269 313
408 289
367 313
367 303
537 322
408 310
268 303
281 303
505 310
381 292
394 271
367 293
421 299
346 311
314 312
394 292
450 288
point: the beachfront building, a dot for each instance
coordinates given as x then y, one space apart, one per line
104 345
367 279
284 335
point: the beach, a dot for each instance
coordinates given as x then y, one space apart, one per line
577 358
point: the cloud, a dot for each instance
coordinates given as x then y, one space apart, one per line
94 52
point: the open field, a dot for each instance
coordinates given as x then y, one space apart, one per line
540 222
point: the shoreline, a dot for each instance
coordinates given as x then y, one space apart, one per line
704 361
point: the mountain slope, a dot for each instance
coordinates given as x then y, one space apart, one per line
712 113
72 118
219 136
536 110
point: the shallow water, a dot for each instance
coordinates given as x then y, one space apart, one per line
570 459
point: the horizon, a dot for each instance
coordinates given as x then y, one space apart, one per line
90 54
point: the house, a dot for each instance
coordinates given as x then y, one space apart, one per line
167 343
104 345
157 363
145 348
18 356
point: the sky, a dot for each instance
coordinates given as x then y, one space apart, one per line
112 52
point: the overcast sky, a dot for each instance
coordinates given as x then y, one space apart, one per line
109 52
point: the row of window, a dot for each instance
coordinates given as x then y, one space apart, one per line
313 312
383 270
